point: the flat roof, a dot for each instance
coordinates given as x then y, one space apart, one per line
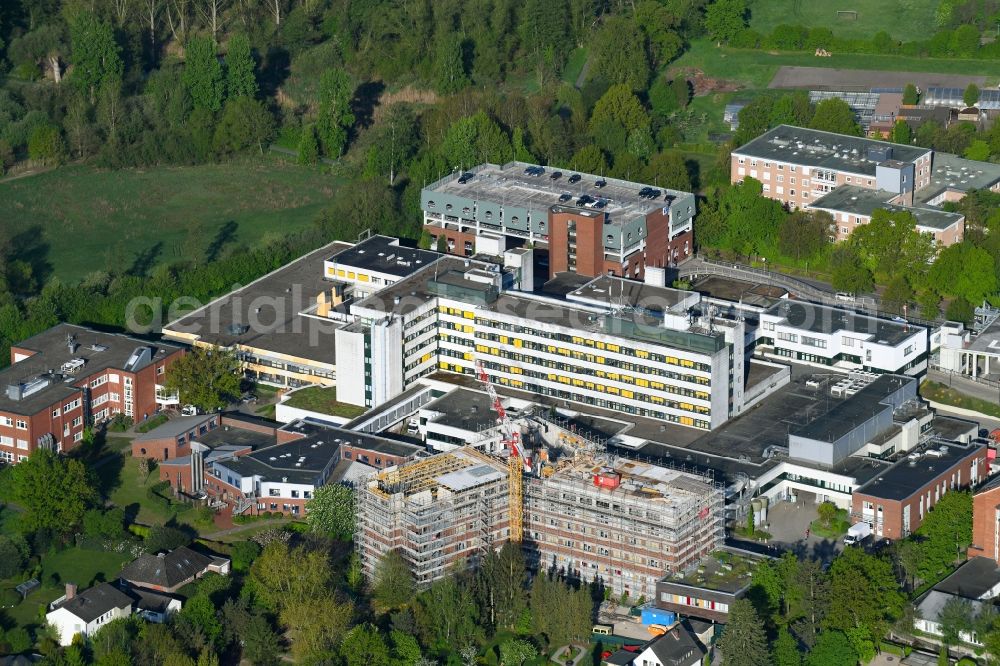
414 291
299 461
908 476
612 291
824 150
463 408
509 185
633 325
987 341
46 377
383 254
864 202
973 579
265 313
470 477
176 426
738 291
827 320
854 410
355 438
225 435
951 172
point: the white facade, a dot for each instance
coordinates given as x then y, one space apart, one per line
845 348
69 625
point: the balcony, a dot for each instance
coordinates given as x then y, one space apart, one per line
165 397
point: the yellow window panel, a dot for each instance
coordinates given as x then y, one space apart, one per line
341 273
642 383
600 359
613 348
364 277
518 343
468 329
601 388
552 377
563 379
444 366
495 351
467 356
351 275
516 371
468 314
590 343
600 345
425 358
687 406
628 379
330 271
590 385
482 349
613 390
687 420
504 339
657 399
671 360
577 382
627 394
641 353
552 349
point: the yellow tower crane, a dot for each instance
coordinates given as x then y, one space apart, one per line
516 462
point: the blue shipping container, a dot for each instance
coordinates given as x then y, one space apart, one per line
658 616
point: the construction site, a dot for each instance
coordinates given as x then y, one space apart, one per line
437 511
577 509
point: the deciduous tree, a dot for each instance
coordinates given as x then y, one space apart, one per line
209 379
203 74
55 492
834 115
240 78
724 19
331 511
393 586
335 117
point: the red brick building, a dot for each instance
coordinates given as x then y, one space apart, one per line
986 522
256 466
69 377
895 502
173 439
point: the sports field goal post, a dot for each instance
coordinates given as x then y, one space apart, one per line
847 14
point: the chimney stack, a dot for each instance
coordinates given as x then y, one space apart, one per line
70 591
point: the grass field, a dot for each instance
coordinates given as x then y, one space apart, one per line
73 565
903 19
80 217
755 69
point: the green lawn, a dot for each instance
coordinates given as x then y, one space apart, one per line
323 400
946 395
73 565
754 69
82 219
126 489
903 19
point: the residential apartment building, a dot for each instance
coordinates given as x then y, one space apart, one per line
589 224
625 524
894 503
69 377
828 336
621 345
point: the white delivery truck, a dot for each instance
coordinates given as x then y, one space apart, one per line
857 533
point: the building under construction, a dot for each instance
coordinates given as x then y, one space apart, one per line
624 522
587 515
435 512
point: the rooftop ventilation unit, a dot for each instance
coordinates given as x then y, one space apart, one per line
72 366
